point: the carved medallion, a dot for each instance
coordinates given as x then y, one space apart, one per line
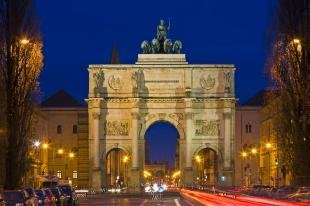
115 82
207 127
117 128
207 83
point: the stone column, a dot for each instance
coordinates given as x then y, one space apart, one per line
189 132
228 170
135 174
227 140
96 141
134 135
188 169
96 172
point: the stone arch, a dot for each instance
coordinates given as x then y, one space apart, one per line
111 147
148 123
206 164
115 165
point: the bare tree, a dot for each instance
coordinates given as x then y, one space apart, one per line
290 73
20 64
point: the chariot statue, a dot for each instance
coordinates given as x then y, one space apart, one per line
161 44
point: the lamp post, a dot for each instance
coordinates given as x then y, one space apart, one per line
198 162
125 160
243 155
268 147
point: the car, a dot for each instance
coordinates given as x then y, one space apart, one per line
2 202
42 197
60 198
70 194
50 196
302 194
284 191
33 196
17 198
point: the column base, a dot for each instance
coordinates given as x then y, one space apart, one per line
227 179
96 179
187 177
134 180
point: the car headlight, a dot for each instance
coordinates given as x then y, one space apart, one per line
40 201
19 204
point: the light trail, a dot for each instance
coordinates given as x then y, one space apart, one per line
215 200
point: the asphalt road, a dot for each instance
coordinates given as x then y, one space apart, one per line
135 200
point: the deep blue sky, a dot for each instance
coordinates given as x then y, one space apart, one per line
77 33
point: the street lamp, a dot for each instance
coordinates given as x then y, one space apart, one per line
254 151
268 147
71 154
60 151
37 143
24 41
45 145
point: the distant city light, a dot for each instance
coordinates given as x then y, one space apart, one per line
268 145
60 151
71 154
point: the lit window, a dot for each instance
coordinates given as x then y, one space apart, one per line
74 175
74 129
59 129
58 174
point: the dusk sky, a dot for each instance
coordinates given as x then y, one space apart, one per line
77 33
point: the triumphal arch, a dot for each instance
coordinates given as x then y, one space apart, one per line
126 99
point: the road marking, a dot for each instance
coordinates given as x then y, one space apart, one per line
176 201
143 203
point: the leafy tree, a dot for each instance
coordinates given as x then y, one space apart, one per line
290 73
21 61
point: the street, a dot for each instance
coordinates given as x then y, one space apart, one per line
135 200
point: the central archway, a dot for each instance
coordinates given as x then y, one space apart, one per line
161 151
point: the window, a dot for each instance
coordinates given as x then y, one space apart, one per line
74 175
74 129
59 129
59 174
248 128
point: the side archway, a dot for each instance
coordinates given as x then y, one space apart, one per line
116 168
206 163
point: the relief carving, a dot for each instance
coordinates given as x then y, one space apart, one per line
99 79
176 116
207 127
115 82
227 79
207 83
117 128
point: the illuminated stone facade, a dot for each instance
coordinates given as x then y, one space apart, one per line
124 100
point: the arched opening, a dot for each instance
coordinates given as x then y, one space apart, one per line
117 167
161 152
206 167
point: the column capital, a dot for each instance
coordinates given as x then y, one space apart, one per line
189 115
135 115
96 115
227 114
